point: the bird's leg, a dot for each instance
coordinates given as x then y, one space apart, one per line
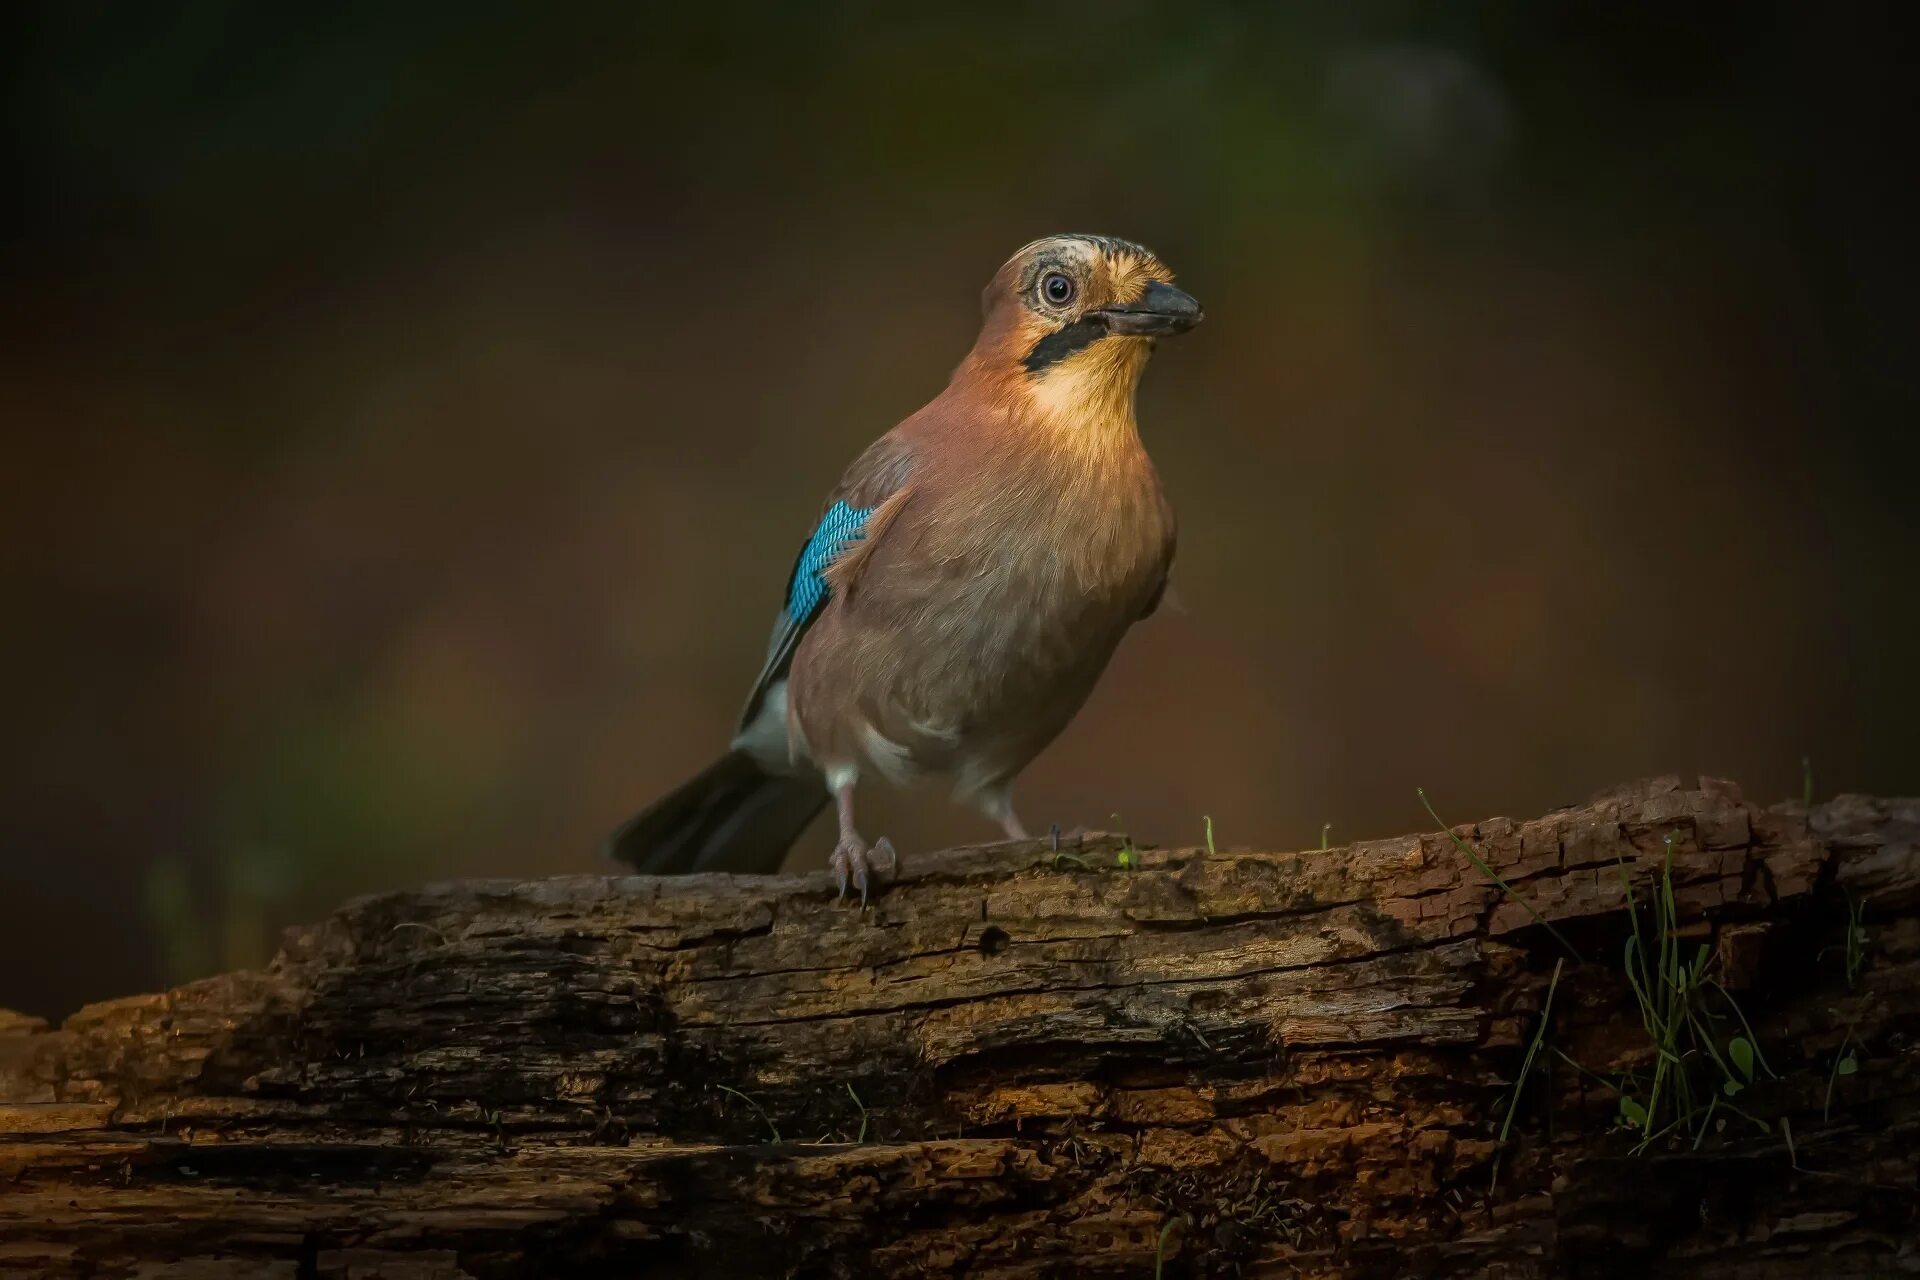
853 857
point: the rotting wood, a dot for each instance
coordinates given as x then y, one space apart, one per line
1013 1064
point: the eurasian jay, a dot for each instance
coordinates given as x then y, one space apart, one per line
967 583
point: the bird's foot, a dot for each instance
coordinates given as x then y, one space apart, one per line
854 860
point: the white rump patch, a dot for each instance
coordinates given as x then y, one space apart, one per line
765 739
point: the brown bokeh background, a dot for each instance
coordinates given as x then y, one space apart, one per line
411 414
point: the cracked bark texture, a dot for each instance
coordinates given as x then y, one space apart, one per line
1013 1064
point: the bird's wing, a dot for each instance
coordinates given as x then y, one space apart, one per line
858 511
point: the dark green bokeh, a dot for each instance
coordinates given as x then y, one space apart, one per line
412 412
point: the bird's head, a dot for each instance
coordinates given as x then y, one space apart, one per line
1071 319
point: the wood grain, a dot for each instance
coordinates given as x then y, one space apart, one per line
1012 1064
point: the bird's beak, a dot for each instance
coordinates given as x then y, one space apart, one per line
1161 309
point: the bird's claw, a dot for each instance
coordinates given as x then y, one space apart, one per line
853 859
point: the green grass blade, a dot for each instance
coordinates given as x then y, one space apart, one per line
862 1137
1526 1066
1594 1076
1160 1245
1474 857
771 1126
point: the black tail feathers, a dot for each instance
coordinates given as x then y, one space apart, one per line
731 816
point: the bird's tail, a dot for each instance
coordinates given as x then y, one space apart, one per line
731 816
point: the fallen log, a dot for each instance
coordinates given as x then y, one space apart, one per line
1022 1062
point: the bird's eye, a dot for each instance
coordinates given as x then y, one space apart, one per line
1057 288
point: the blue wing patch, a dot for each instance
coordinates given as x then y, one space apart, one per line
808 590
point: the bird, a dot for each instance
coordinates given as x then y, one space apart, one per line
965 585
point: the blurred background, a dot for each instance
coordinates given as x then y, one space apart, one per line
412 413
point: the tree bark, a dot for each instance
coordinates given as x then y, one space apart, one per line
1017 1063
